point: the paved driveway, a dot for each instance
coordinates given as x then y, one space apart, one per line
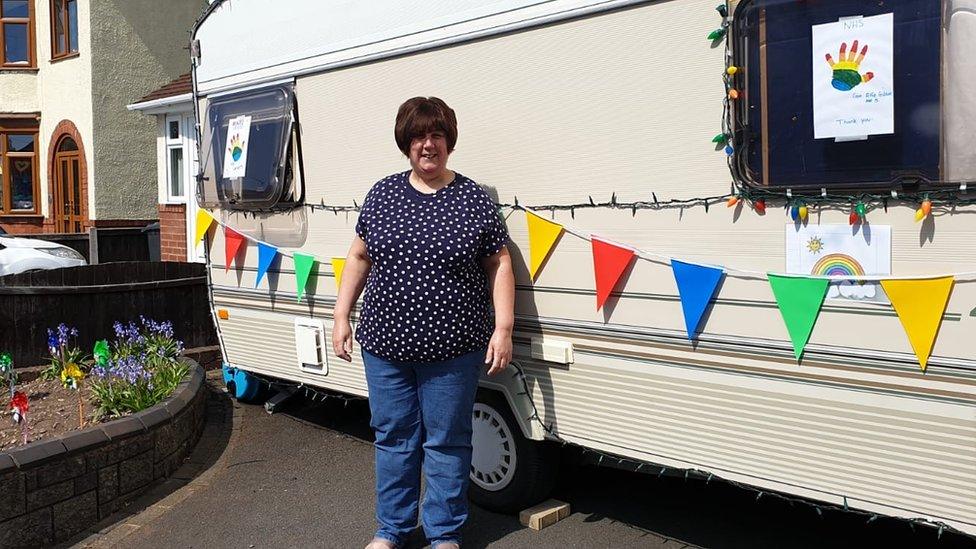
304 478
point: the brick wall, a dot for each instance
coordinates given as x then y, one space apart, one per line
172 232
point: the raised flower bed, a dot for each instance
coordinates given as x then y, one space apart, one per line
144 414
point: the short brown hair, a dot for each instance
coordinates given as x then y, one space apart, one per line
419 116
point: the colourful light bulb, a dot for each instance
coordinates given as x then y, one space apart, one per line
760 206
919 215
861 210
731 70
729 150
794 213
854 219
732 201
733 94
927 207
717 34
722 10
720 138
803 213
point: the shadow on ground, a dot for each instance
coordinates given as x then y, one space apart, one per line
682 512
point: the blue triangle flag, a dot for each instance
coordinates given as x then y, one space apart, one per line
266 255
696 286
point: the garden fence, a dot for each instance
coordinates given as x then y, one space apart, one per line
93 297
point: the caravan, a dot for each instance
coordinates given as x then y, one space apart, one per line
807 195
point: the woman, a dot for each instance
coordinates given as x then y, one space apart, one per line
430 252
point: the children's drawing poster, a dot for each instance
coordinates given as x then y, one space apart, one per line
853 82
235 154
841 250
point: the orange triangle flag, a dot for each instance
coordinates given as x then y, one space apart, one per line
232 244
542 237
609 263
920 305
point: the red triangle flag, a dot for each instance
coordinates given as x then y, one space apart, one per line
232 244
609 263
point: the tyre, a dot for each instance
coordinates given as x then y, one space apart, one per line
508 471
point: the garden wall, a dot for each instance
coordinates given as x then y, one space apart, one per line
52 489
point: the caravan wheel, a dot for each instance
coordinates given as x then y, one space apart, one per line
508 471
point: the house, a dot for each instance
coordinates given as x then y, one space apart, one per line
72 157
176 166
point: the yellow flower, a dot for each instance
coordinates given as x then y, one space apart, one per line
71 374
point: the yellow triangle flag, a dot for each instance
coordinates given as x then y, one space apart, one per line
542 236
920 305
338 263
204 220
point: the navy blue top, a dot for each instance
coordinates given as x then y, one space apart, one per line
427 297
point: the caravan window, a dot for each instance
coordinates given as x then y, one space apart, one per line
893 115
251 148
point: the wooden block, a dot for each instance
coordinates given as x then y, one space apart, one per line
545 514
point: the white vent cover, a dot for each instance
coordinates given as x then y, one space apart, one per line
311 346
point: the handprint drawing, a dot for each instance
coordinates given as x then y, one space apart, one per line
236 147
846 75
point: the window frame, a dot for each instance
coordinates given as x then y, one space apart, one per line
182 143
68 52
32 129
31 40
290 165
741 130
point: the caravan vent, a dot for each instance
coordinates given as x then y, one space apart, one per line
310 346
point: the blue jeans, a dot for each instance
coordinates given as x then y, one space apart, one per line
421 412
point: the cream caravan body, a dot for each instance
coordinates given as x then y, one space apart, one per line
564 100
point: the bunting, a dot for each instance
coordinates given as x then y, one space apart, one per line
799 299
697 285
338 264
920 305
303 267
204 220
543 235
232 245
609 263
266 256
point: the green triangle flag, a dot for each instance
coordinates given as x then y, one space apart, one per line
799 299
303 267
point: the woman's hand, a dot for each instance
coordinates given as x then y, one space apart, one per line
499 351
342 339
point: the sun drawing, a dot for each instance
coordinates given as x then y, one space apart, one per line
815 245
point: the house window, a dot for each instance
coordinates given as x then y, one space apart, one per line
19 182
64 28
176 172
17 34
788 113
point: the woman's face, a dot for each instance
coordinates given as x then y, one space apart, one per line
428 154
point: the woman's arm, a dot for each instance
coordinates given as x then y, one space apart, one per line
354 274
501 281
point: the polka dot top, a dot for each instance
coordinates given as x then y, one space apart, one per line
427 297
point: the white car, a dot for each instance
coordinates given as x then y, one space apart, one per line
18 255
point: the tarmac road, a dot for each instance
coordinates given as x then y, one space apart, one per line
304 478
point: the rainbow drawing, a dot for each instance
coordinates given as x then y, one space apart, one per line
236 147
841 265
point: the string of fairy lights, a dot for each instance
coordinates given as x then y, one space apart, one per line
798 204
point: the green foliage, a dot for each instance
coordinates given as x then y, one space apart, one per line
139 369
